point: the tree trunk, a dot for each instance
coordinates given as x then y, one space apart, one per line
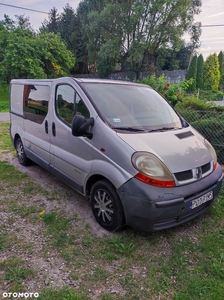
149 62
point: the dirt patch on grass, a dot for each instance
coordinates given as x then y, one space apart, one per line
76 203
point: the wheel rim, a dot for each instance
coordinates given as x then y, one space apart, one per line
104 207
20 152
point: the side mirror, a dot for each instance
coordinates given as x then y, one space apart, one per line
80 126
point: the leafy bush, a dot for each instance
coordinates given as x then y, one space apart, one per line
176 93
157 84
172 92
192 102
211 95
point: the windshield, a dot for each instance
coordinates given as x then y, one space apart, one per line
131 107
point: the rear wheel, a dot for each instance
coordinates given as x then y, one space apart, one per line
106 206
23 159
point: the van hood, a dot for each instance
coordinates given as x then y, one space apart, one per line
179 150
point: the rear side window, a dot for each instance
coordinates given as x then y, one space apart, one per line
69 103
35 102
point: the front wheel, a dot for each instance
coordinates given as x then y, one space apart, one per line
22 158
106 206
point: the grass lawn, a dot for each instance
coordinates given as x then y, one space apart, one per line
184 263
4 98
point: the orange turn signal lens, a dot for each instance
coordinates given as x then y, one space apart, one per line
155 182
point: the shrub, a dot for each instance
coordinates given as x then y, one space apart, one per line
172 92
212 95
157 84
191 102
196 104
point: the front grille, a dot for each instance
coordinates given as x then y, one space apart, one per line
188 176
206 168
182 176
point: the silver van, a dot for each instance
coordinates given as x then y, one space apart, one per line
118 143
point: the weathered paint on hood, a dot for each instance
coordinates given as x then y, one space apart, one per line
177 154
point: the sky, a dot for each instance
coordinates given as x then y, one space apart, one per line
212 38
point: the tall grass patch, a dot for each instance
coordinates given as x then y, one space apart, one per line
4 98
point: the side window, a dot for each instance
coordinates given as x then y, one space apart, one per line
35 102
65 96
69 103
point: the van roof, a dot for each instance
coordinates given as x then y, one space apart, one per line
99 80
78 80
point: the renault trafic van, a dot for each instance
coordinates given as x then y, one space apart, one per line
118 143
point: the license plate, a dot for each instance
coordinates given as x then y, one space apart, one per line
205 198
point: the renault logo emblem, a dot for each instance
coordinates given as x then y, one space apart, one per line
198 173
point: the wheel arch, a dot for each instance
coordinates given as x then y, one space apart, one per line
16 137
110 171
92 180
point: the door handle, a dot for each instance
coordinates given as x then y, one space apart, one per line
46 127
53 129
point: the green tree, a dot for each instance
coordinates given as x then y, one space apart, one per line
200 71
71 32
56 59
51 25
68 26
192 73
183 55
221 61
19 57
137 29
7 23
107 58
168 59
221 68
211 73
23 22
25 54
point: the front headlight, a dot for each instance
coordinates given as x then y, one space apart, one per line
152 170
212 151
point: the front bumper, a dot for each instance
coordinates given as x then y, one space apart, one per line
148 208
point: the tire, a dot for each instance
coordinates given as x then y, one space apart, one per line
106 206
21 155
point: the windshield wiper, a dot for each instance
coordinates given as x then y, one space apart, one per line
163 129
128 129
